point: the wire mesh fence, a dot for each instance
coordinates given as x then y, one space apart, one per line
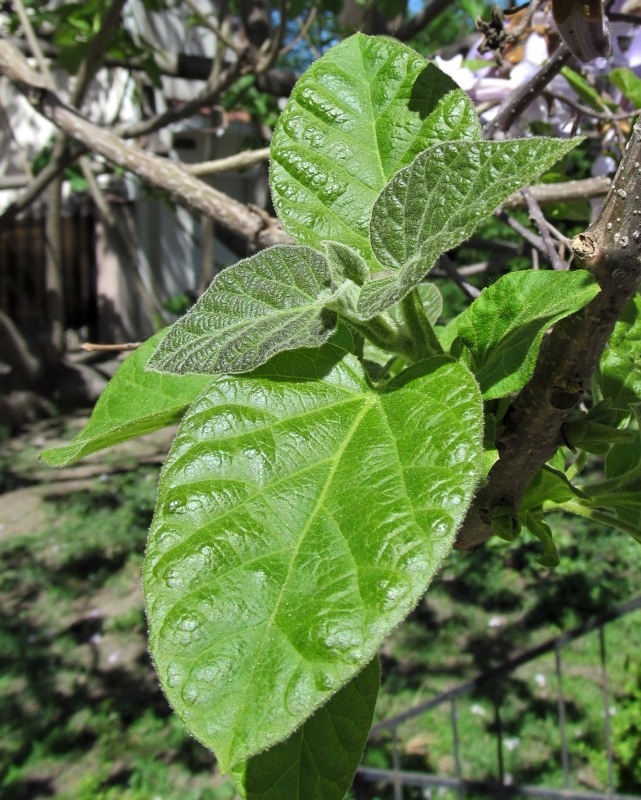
490 721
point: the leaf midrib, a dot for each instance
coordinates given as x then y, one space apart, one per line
367 405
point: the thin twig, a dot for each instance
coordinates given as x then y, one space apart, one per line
528 235
160 172
205 98
618 16
33 41
607 116
242 160
407 30
302 33
514 105
117 348
520 27
215 28
471 292
536 216
95 51
561 192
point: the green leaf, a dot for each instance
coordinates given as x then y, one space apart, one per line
626 336
549 485
297 523
133 403
432 303
587 94
318 761
270 302
539 528
629 83
619 372
504 326
437 202
623 460
360 113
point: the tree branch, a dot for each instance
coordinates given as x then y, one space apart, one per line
96 50
419 21
258 230
518 100
242 160
609 249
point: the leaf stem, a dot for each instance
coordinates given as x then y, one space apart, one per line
599 516
383 334
419 327
577 465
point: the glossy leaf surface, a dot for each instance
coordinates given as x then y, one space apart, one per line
318 761
301 514
504 326
437 202
133 403
360 113
270 302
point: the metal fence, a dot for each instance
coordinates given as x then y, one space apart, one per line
399 779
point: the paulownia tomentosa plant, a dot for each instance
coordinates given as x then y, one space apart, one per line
332 434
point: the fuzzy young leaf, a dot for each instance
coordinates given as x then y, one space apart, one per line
270 302
134 402
301 514
437 202
360 113
504 326
318 761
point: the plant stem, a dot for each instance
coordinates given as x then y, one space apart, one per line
599 516
577 465
384 335
419 327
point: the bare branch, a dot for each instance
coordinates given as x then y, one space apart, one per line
37 186
215 85
536 216
561 192
109 348
533 424
160 172
95 51
302 33
419 21
246 158
518 100
607 116
33 41
215 28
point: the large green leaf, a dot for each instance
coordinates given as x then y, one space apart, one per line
297 523
360 113
504 326
270 302
318 761
437 202
134 402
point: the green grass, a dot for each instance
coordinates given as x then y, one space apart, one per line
451 638
82 717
